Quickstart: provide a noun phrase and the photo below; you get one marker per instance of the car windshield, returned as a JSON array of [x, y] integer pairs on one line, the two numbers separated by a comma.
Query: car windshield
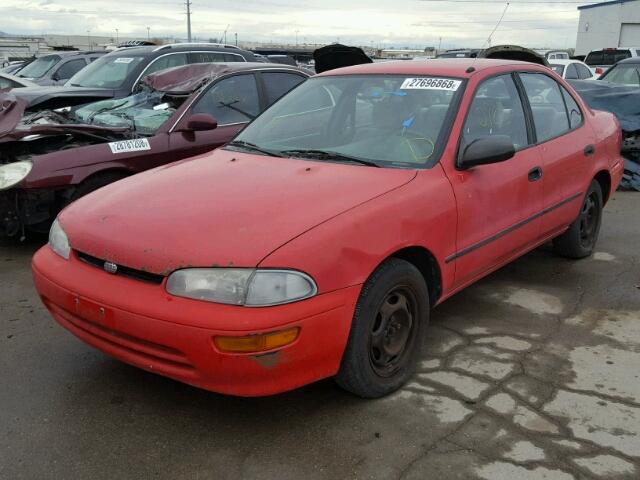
[[391, 121], [143, 113], [624, 74], [557, 68], [108, 71], [39, 67]]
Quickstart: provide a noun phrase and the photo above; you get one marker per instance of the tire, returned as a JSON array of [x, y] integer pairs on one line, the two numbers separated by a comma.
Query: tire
[[387, 332], [580, 239], [95, 182]]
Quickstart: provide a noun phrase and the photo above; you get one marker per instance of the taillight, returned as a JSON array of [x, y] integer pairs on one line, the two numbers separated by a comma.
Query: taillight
[[599, 71]]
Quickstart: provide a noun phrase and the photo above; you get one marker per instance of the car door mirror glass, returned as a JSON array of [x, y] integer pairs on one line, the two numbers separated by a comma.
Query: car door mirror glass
[[483, 151], [199, 122]]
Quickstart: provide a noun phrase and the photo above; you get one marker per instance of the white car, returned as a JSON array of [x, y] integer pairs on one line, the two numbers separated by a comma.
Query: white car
[[572, 69]]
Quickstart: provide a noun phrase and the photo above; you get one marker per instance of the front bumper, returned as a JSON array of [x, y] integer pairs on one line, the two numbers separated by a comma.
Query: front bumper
[[140, 324]]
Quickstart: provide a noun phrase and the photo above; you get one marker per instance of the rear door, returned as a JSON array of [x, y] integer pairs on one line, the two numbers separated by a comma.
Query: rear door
[[233, 101], [497, 203], [565, 143]]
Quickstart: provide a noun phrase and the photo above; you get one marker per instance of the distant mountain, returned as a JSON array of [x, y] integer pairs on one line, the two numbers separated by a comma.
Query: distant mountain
[[2, 34]]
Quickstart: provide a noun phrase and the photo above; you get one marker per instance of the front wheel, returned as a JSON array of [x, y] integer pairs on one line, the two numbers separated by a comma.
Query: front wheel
[[387, 332], [580, 239]]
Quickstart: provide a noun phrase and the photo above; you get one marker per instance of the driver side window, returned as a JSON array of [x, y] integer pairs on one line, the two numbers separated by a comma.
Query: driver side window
[[232, 100], [496, 109]]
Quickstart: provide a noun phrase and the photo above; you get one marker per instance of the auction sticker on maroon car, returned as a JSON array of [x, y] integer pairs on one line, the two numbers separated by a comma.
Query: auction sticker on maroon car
[[124, 146], [431, 83]]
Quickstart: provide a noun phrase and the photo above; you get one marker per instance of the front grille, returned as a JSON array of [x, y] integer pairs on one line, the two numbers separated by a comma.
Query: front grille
[[122, 270]]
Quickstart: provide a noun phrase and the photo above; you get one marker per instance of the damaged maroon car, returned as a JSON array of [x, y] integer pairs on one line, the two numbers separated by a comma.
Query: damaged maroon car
[[50, 158]]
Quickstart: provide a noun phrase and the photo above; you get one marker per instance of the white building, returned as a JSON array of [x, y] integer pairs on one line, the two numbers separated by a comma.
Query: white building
[[607, 25]]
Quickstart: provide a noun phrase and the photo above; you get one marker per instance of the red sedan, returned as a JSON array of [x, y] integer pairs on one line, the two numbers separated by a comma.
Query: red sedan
[[315, 244]]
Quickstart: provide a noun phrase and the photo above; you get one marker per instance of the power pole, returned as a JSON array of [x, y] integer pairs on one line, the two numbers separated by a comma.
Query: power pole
[[188, 5]]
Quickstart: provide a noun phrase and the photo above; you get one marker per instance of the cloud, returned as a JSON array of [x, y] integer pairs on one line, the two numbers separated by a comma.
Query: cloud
[[365, 22]]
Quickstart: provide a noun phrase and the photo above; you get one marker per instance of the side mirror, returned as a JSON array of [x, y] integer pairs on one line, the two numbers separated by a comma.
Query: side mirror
[[199, 122], [483, 151]]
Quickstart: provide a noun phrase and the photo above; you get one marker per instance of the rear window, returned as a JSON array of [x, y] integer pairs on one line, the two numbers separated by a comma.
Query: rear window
[[606, 57]]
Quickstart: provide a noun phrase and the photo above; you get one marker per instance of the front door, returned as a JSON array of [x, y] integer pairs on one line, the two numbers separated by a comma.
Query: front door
[[497, 203]]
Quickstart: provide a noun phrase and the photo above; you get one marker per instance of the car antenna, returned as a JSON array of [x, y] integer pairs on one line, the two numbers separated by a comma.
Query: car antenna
[[488, 40]]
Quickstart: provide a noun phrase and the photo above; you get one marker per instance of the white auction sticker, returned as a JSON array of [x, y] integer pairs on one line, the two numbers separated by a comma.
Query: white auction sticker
[[431, 83], [123, 60], [124, 146]]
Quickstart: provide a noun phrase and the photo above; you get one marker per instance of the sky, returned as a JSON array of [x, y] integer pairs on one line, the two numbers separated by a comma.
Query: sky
[[379, 23]]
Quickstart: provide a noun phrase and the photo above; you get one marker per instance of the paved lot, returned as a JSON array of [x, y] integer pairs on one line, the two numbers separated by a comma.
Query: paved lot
[[533, 373]]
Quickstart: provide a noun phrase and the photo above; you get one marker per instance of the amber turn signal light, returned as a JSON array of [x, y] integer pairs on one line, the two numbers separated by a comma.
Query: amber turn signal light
[[257, 343]]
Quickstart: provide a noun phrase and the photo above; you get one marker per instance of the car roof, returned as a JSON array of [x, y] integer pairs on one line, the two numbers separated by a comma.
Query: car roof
[[452, 67]]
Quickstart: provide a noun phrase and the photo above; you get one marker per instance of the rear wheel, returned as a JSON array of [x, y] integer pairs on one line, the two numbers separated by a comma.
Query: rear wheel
[[387, 332], [580, 239]]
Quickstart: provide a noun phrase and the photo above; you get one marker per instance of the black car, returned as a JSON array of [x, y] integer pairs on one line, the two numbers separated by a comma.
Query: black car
[[117, 74]]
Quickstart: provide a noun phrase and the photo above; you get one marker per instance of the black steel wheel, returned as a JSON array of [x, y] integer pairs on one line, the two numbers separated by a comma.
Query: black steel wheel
[[387, 331]]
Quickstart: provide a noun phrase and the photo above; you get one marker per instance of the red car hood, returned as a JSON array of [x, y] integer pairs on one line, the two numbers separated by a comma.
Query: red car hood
[[225, 208]]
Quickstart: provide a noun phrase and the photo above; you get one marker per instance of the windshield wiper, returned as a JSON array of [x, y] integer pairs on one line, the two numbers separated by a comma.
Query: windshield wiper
[[253, 147], [328, 155]]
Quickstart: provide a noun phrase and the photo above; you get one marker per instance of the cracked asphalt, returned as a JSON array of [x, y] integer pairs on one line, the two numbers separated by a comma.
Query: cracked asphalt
[[532, 373]]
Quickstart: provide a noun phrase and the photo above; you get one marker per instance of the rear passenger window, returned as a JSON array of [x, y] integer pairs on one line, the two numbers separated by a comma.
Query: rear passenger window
[[575, 115], [583, 72], [276, 84], [571, 73], [549, 113], [496, 109]]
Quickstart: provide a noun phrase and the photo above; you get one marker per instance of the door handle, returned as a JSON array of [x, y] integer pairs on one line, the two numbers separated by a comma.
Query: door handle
[[535, 174], [589, 150]]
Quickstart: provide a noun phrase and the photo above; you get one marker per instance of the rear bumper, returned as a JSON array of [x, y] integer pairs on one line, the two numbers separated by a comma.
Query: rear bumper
[[142, 325]]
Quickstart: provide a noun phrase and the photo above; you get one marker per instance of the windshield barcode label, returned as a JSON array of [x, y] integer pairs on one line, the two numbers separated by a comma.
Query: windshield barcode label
[[125, 146], [431, 84]]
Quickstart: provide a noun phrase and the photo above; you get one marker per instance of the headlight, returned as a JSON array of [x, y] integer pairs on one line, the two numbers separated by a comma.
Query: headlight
[[242, 286], [58, 240], [13, 173]]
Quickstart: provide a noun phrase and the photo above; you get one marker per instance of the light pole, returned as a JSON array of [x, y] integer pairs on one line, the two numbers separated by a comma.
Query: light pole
[[89, 39], [117, 38], [149, 33], [236, 39], [297, 37]]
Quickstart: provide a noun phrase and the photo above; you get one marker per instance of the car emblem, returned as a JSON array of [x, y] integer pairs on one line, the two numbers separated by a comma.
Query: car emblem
[[110, 267]]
